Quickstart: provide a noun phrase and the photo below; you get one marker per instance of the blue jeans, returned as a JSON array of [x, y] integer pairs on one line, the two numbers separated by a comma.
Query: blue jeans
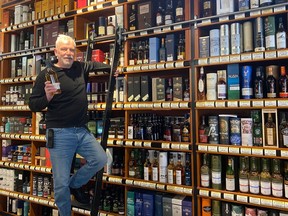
[[67, 142]]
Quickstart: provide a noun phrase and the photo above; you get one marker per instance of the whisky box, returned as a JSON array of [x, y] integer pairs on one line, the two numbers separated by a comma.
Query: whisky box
[[154, 45], [54, 31], [206, 208], [146, 88], [58, 6], [39, 37], [170, 47], [81, 3], [13, 68], [6, 18], [167, 205], [18, 13], [235, 131], [130, 203], [177, 88], [38, 9], [177, 204], [67, 5], [148, 204], [158, 203], [130, 92], [213, 122], [233, 81], [97, 55], [145, 15], [138, 203], [214, 42], [187, 206], [30, 66], [224, 129], [136, 88], [45, 8], [204, 47], [160, 89], [226, 209], [246, 132], [46, 34], [24, 66], [224, 6], [51, 7]]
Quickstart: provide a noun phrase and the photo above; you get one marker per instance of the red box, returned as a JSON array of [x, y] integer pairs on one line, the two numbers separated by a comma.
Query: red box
[[98, 55]]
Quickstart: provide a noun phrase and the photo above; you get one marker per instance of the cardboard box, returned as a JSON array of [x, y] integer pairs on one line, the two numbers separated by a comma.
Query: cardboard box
[[148, 204], [38, 9], [67, 5], [160, 89], [145, 15], [18, 14], [146, 90], [233, 81], [167, 205], [154, 45], [177, 204], [224, 6], [204, 47], [177, 88], [45, 8], [171, 47], [130, 92]]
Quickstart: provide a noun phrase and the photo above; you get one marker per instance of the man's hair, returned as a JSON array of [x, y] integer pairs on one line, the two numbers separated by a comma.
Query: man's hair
[[62, 38]]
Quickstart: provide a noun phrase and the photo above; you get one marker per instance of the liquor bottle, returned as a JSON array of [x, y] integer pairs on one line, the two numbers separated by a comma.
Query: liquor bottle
[[52, 76], [19, 68], [270, 33], [179, 11], [259, 35], [281, 39], [181, 48], [42, 124], [132, 55], [179, 171], [146, 53], [186, 92], [162, 51], [230, 175], [169, 13], [259, 83], [244, 175], [167, 133], [155, 167], [264, 3], [187, 170], [203, 131], [132, 164], [205, 172], [221, 85], [110, 27], [150, 128], [277, 178], [270, 131], [283, 83], [102, 26], [286, 178], [115, 166], [207, 8], [160, 14], [216, 208], [283, 131], [254, 176], [147, 168], [216, 172], [201, 85], [133, 18], [140, 53], [246, 82], [271, 84], [107, 58], [171, 170], [185, 135], [265, 178], [176, 130], [169, 91], [213, 134], [257, 128]]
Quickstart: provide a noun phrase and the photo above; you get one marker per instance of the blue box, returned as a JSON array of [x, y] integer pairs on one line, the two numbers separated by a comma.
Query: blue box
[[233, 81], [158, 210], [187, 206], [154, 45], [148, 204], [138, 203], [170, 47]]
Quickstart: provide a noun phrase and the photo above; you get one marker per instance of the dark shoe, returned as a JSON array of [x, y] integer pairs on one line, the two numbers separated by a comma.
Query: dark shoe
[[80, 195]]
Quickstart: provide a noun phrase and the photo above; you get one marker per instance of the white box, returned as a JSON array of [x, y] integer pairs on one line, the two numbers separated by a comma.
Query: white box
[[177, 205], [18, 13], [224, 6]]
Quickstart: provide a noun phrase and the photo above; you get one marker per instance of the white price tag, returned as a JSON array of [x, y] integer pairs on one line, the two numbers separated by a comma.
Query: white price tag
[[246, 57], [278, 204], [167, 29], [129, 143], [129, 182], [179, 64], [245, 150], [184, 146], [255, 13], [232, 103], [224, 58], [212, 148], [267, 11], [270, 152], [240, 15], [214, 60], [220, 104], [270, 103], [131, 35], [188, 191], [279, 8], [176, 27], [166, 105], [282, 103], [183, 104], [215, 194], [79, 11], [152, 66], [137, 68], [165, 145], [258, 55], [242, 198], [203, 61], [282, 53], [228, 196], [157, 105], [257, 151], [49, 19], [146, 144], [143, 33], [160, 65], [255, 200], [245, 103], [202, 147], [174, 105], [284, 153], [257, 103], [270, 54], [266, 202], [234, 150], [160, 186], [223, 149], [206, 21], [138, 143], [90, 8], [235, 58], [209, 104], [170, 64], [224, 18], [156, 31], [175, 146]]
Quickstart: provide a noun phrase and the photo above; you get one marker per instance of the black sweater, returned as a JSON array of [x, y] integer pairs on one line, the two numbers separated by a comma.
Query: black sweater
[[68, 109]]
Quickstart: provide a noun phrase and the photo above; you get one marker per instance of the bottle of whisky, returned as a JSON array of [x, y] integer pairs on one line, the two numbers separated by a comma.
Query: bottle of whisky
[[259, 83], [132, 164], [283, 83], [265, 178], [216, 172], [286, 178], [132, 55], [169, 12], [203, 131], [51, 76], [221, 85], [181, 48], [277, 179], [110, 27], [133, 18], [270, 131], [254, 176], [160, 14], [270, 33], [186, 92], [140, 53], [187, 170], [244, 175], [185, 134], [201, 85], [230, 175], [257, 128], [162, 51], [205, 172], [271, 84], [146, 53], [179, 11], [155, 167], [179, 171], [283, 131], [171, 170], [281, 39], [169, 91], [147, 168]]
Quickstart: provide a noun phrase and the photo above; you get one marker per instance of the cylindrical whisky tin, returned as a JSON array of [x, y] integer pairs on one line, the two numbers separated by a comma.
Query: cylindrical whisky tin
[[259, 35], [206, 207], [211, 83], [248, 36], [235, 131], [237, 210], [246, 82], [250, 211], [214, 42], [224, 40], [213, 135], [235, 38], [216, 172]]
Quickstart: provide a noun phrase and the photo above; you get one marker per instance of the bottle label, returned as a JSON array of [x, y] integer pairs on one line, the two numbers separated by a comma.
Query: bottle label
[[221, 91], [265, 187], [244, 185], [270, 41], [146, 173], [254, 186], [281, 40], [155, 173], [131, 173], [56, 85], [286, 188], [230, 183], [277, 189], [285, 137], [205, 180], [203, 138], [159, 20], [110, 30], [216, 177], [170, 176], [178, 177], [270, 136], [206, 5], [179, 12], [201, 85]]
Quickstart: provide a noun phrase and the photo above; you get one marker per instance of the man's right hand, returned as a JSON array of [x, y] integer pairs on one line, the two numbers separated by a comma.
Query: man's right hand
[[49, 90]]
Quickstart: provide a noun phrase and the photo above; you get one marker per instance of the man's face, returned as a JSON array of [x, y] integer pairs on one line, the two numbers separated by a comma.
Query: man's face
[[65, 52]]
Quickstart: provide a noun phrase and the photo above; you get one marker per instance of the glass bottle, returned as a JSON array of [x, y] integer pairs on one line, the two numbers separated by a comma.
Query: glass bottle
[[230, 175], [201, 85], [205, 172], [257, 128], [283, 83], [155, 167], [160, 14], [147, 168], [185, 136], [52, 76], [270, 131], [171, 170], [244, 175], [132, 164], [132, 55], [186, 93], [133, 18], [277, 178], [216, 172], [169, 16], [221, 86], [259, 83], [283, 131], [187, 171], [115, 166], [181, 48], [179, 11], [167, 135], [146, 53], [271, 84], [169, 91], [254, 177], [140, 53], [281, 39], [286, 178], [162, 51], [179, 171], [19, 68], [110, 27], [265, 178], [203, 131]]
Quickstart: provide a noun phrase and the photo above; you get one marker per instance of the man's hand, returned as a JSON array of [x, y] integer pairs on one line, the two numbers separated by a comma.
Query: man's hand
[[49, 90]]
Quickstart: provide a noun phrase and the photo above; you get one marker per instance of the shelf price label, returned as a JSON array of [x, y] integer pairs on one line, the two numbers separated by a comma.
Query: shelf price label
[[160, 186], [216, 194], [232, 103], [270, 54], [224, 18], [282, 103], [245, 104], [245, 151], [257, 151], [278, 204], [246, 57], [234, 150], [270, 152], [282, 53], [223, 149], [203, 61], [257, 103], [225, 58], [235, 58], [240, 15], [279, 8], [188, 191], [266, 202], [258, 55], [184, 146], [270, 103], [175, 146], [165, 145], [255, 200], [267, 11], [228, 196], [242, 198], [202, 147], [284, 153], [255, 13], [214, 60], [138, 143], [220, 104], [213, 148]]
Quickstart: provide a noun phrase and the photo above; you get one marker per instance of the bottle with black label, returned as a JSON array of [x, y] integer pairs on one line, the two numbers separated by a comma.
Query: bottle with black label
[[133, 18], [259, 83]]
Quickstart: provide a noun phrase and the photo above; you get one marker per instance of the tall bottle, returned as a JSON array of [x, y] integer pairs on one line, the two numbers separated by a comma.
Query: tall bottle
[[257, 128], [277, 179], [270, 33], [169, 91], [133, 18], [281, 39], [162, 51], [155, 167], [52, 76], [160, 14], [187, 170], [205, 172], [254, 176], [181, 48], [270, 131], [147, 168], [230, 175], [286, 178], [271, 84], [169, 12], [201, 85], [179, 11], [259, 83], [216, 172], [132, 165], [221, 85], [283, 83], [244, 175], [203, 131], [179, 171], [132, 55], [171, 170], [283, 131], [265, 178]]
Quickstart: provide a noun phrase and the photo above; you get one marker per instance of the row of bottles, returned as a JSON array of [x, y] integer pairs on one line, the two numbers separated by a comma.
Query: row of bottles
[[18, 206], [263, 33], [146, 126], [175, 169], [113, 200], [167, 12], [16, 124], [19, 154], [16, 95], [245, 174], [104, 26]]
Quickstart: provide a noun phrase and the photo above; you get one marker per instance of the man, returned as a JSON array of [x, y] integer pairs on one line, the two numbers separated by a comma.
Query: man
[[66, 118]]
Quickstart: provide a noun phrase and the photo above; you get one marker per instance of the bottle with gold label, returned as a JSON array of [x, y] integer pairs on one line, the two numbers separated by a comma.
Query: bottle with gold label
[[230, 175], [147, 168], [51, 76], [205, 172], [270, 131], [179, 171], [171, 170]]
